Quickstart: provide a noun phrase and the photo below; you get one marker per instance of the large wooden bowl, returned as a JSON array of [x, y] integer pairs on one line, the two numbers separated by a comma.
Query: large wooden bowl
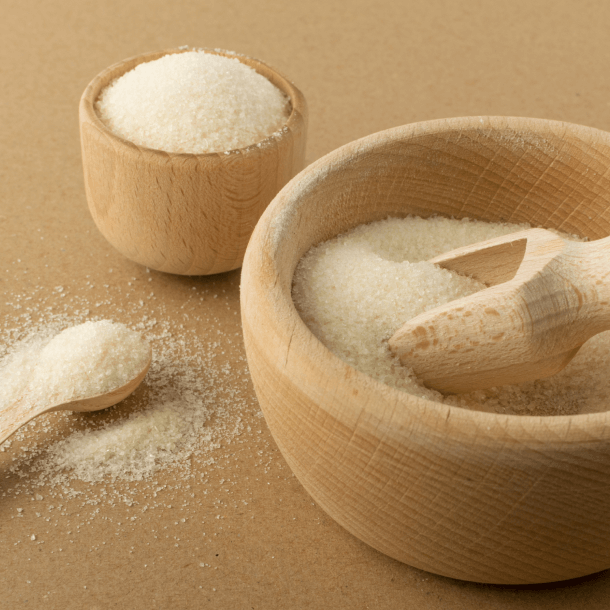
[[471, 495], [190, 214]]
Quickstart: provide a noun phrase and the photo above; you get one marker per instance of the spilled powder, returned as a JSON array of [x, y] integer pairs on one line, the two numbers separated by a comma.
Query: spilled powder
[[173, 425], [193, 102], [66, 477], [356, 290], [179, 423], [167, 432]]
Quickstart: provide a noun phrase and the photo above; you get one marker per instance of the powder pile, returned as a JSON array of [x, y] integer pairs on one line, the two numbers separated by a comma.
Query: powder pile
[[177, 469], [357, 289], [85, 360], [193, 102], [181, 411], [176, 421]]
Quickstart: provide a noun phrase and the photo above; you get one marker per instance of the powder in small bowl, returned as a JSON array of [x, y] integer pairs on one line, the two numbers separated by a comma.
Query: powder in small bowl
[[193, 102]]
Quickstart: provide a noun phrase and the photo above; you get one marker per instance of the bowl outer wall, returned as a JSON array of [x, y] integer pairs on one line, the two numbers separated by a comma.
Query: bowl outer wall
[[470, 495]]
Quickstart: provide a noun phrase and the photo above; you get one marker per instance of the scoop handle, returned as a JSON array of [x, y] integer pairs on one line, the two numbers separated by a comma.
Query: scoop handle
[[591, 275], [527, 328]]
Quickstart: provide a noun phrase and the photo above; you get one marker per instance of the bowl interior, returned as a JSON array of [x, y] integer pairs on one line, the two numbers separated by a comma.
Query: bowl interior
[[498, 169]]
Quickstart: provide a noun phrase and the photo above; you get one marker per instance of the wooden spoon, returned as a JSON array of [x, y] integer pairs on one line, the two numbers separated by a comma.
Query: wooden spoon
[[547, 296], [22, 411]]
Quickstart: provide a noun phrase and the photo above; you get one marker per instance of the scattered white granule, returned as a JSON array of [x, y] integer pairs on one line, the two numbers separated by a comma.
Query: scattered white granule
[[356, 290], [125, 448], [184, 408], [193, 102], [81, 361]]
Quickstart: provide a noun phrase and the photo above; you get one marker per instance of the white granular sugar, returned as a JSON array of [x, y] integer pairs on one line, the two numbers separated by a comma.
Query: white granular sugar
[[82, 361], [193, 102], [357, 289], [174, 454], [134, 446], [182, 409]]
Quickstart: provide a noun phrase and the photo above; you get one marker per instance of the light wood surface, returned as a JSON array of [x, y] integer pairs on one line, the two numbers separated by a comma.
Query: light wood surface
[[21, 412], [526, 328], [471, 495], [185, 213]]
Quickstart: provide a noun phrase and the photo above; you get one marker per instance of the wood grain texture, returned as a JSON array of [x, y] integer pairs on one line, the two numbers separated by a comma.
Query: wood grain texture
[[190, 214], [528, 325], [470, 495], [21, 412]]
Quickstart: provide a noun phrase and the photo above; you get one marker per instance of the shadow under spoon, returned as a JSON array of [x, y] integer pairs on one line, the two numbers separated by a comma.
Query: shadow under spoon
[[23, 410]]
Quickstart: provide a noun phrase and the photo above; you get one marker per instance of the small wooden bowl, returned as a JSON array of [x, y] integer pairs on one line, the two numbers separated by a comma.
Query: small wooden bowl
[[191, 214], [466, 494]]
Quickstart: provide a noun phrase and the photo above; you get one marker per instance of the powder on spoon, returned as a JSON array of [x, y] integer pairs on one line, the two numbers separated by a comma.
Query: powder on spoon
[[193, 102], [186, 408], [85, 360]]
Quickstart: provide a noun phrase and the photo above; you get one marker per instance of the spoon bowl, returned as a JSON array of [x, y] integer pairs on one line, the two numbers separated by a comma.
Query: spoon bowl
[[21, 412]]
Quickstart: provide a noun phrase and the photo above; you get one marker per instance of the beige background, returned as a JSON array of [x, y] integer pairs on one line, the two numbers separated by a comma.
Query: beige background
[[363, 67]]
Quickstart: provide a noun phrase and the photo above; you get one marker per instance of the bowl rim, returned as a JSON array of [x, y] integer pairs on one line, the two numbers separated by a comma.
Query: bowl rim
[[298, 111], [553, 430]]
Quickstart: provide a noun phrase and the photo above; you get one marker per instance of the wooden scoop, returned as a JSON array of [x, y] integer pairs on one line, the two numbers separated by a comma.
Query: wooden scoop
[[21, 412], [547, 296]]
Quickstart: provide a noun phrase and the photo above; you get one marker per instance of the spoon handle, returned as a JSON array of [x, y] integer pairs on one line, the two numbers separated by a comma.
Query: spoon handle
[[16, 415], [591, 276]]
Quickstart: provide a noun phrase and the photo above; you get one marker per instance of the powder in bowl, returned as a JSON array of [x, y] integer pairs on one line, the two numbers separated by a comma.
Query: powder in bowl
[[193, 102], [356, 290]]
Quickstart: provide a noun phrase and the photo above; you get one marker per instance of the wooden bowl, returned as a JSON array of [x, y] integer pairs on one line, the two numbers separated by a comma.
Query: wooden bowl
[[191, 214], [466, 494]]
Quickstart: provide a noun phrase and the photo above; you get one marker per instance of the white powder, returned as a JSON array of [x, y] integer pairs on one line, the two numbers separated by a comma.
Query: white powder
[[133, 447], [357, 289], [85, 360], [183, 409], [187, 445], [193, 102]]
